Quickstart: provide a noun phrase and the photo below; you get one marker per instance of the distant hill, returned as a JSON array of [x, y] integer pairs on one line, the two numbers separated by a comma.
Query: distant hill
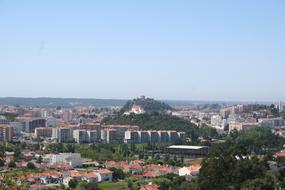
[[148, 105], [64, 102], [67, 102]]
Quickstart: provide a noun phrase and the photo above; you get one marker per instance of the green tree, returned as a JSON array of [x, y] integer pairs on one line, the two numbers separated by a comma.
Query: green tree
[[73, 183], [2, 163], [12, 164], [263, 183], [87, 186], [229, 168], [9, 183], [39, 159], [31, 165], [118, 173]]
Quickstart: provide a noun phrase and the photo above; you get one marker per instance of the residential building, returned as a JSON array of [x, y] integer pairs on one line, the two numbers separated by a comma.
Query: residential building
[[109, 136], [18, 127], [188, 151], [29, 123], [3, 120], [240, 126], [6, 133], [93, 136], [173, 136], [71, 159], [163, 136], [105, 175], [63, 134], [92, 127], [134, 136], [90, 177], [150, 187], [116, 133], [43, 132], [271, 122], [153, 136], [144, 136], [80, 136]]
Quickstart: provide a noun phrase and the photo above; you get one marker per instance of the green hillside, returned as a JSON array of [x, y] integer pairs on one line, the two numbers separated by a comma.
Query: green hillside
[[149, 105], [158, 121]]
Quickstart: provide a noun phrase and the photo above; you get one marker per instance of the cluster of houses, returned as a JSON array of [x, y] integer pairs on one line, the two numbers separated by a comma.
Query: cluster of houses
[[55, 178], [138, 169], [63, 167]]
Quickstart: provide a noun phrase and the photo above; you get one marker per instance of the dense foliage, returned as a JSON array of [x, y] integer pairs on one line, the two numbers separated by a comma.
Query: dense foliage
[[118, 174], [87, 186], [9, 183], [242, 162], [259, 140], [10, 116]]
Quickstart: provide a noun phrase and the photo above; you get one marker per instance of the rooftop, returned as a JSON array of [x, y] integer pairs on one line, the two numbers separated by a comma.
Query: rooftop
[[187, 147]]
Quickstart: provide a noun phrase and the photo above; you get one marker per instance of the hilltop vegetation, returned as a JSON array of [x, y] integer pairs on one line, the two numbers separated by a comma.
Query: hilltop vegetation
[[156, 121], [149, 105]]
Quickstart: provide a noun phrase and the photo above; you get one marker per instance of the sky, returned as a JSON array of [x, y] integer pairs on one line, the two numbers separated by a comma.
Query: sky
[[165, 49]]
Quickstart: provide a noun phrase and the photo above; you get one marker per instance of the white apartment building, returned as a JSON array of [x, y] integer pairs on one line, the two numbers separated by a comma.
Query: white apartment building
[[85, 136], [271, 122], [62, 134], [136, 136], [240, 126], [71, 159]]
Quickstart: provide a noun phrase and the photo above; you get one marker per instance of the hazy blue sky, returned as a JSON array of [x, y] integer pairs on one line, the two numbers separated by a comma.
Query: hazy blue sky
[[191, 50]]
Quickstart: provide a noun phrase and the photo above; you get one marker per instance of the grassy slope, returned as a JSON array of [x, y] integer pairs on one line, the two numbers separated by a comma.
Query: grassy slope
[[114, 186]]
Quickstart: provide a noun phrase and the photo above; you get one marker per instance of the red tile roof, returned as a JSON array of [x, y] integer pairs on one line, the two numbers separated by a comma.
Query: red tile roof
[[37, 186], [74, 173], [150, 187], [281, 154], [90, 175], [104, 171], [150, 175]]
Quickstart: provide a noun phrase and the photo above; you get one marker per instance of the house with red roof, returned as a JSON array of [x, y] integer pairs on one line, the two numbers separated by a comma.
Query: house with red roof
[[105, 175], [150, 187], [280, 154], [90, 177], [135, 169]]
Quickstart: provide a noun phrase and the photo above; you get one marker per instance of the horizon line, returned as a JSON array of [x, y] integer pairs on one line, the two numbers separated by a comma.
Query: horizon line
[[126, 99]]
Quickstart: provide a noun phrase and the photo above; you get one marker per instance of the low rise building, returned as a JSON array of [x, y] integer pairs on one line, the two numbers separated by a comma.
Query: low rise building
[[271, 122], [240, 126], [43, 132], [188, 151], [71, 159], [105, 175]]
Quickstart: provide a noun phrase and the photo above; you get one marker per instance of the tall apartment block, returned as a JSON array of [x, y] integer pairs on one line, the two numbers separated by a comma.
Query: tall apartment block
[[6, 133]]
